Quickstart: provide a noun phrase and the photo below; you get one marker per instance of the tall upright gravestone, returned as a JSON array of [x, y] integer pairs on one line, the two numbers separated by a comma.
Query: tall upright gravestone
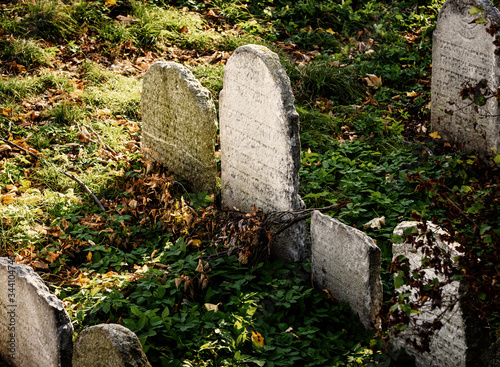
[[260, 145], [35, 329], [180, 124], [463, 52]]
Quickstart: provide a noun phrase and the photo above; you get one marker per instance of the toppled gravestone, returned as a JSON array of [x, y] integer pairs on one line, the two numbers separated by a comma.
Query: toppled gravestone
[[179, 124], [463, 52], [35, 329], [462, 340], [260, 145], [108, 345], [346, 261]]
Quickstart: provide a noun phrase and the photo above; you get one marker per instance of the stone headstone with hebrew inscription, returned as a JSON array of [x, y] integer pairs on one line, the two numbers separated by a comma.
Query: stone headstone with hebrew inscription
[[462, 340], [346, 261], [260, 145], [180, 124], [463, 52], [35, 329]]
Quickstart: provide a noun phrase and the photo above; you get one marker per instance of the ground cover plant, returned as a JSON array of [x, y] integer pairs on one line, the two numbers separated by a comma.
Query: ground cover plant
[[159, 259]]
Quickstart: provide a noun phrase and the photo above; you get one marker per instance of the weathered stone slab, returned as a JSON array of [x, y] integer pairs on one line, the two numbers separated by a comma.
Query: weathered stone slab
[[35, 329], [494, 354], [108, 345], [180, 123], [347, 262], [463, 51], [260, 145], [461, 341]]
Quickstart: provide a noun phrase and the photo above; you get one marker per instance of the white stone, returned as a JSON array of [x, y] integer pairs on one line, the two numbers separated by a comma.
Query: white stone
[[260, 145], [108, 345], [346, 261], [180, 124], [460, 341], [463, 51], [34, 318]]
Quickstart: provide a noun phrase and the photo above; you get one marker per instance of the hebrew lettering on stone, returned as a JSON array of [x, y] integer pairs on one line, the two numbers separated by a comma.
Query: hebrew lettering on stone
[[180, 124], [463, 54], [461, 341], [347, 262], [260, 145]]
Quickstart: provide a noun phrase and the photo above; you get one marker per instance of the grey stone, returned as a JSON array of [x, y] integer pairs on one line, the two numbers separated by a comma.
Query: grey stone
[[108, 345], [260, 145], [346, 261], [180, 124], [494, 354], [463, 51], [462, 340], [32, 320]]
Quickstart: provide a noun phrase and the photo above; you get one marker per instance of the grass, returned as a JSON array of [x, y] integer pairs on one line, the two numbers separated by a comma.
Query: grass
[[138, 263]]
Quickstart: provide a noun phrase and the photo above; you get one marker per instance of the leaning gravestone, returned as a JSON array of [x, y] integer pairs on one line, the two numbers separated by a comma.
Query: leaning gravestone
[[260, 145], [180, 124], [461, 341], [35, 329], [346, 261], [463, 52], [108, 345]]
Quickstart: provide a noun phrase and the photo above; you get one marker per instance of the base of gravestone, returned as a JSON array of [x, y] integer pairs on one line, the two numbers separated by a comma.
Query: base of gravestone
[[293, 244]]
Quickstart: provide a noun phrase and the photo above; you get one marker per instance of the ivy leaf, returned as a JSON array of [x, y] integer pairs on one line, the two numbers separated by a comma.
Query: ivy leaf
[[475, 10], [480, 100], [399, 280]]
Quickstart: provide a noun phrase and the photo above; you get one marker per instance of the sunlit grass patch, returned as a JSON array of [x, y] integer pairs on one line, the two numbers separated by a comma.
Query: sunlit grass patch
[[19, 216], [28, 53], [16, 89], [210, 76], [95, 74], [49, 19], [120, 95]]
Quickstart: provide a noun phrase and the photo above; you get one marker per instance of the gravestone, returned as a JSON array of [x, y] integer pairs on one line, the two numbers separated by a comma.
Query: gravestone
[[260, 145], [463, 52], [108, 345], [35, 329], [462, 340], [346, 261], [179, 124]]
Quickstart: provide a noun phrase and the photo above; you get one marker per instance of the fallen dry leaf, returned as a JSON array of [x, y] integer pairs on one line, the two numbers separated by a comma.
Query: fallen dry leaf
[[373, 81], [40, 265], [212, 307], [375, 223], [8, 199], [435, 135], [257, 339]]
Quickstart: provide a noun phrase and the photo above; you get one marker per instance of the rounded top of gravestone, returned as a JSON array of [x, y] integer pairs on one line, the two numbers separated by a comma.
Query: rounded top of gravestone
[[35, 282], [108, 345], [202, 94], [487, 12], [180, 124], [272, 62]]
